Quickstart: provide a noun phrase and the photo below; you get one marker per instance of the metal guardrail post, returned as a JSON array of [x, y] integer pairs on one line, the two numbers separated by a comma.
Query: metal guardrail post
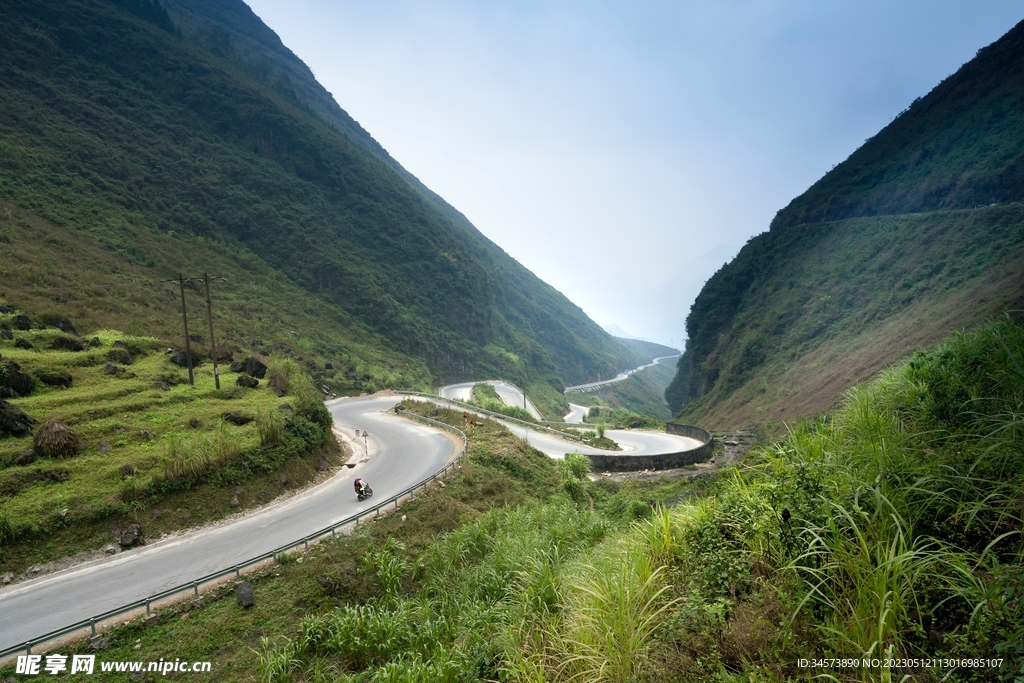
[[92, 626], [195, 588]]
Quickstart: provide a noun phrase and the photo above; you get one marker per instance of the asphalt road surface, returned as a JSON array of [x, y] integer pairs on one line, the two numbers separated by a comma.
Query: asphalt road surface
[[401, 453], [577, 414], [510, 395], [590, 386], [632, 442]]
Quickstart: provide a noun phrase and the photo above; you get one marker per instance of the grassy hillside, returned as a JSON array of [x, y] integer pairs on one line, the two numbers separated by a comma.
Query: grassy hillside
[[127, 132], [803, 313], [919, 233], [151, 450], [889, 532]]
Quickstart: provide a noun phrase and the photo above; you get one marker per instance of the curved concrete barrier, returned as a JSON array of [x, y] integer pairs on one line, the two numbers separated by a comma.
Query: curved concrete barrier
[[661, 461]]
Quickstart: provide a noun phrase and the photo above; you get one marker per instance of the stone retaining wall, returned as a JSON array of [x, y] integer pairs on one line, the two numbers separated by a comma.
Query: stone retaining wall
[[663, 461]]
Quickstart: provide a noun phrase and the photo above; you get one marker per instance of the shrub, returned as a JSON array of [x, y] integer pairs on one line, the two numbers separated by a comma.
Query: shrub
[[308, 434]]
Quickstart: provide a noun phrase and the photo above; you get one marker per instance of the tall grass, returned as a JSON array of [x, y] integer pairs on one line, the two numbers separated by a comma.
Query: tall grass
[[188, 457], [270, 426]]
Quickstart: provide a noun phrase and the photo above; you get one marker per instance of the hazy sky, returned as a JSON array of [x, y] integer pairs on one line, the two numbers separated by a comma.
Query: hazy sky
[[622, 151]]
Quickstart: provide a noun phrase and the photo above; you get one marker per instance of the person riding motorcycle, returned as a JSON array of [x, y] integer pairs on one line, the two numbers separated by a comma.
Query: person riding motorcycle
[[360, 485]]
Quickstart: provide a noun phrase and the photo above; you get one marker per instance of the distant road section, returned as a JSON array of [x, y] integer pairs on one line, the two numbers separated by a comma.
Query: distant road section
[[510, 394], [548, 442], [578, 414], [618, 378]]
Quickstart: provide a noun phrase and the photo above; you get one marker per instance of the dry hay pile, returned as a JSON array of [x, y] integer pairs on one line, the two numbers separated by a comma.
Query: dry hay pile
[[56, 440]]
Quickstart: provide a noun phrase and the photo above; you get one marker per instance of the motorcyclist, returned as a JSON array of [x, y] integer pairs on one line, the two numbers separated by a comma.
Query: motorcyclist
[[360, 485]]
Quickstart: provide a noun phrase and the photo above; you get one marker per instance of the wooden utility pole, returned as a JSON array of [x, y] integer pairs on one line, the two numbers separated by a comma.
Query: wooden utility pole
[[184, 318], [209, 318]]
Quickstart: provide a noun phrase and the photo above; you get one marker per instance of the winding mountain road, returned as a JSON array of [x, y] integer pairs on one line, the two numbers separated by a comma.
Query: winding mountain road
[[576, 414], [591, 386], [510, 395], [401, 453]]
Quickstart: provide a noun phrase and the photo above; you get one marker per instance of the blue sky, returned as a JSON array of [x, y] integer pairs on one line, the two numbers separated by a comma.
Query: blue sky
[[623, 151]]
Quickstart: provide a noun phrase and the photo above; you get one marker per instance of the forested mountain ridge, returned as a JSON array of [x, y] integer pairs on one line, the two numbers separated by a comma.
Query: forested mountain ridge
[[132, 134], [889, 251], [961, 146]]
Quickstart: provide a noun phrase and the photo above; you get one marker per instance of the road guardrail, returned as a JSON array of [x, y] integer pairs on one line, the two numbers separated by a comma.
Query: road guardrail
[[194, 585]]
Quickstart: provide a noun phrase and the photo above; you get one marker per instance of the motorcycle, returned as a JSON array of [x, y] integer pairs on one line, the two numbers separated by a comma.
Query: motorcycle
[[364, 493]]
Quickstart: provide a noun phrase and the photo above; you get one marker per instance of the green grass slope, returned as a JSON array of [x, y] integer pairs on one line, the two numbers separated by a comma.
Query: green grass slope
[[889, 251], [152, 450], [119, 128]]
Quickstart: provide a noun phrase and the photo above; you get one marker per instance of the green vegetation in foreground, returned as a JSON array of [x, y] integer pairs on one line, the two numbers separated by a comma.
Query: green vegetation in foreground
[[506, 506], [171, 460], [892, 530]]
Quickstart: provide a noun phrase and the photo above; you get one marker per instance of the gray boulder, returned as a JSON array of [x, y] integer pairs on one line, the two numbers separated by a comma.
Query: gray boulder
[[180, 358], [14, 421], [122, 356], [255, 367], [26, 457], [63, 343], [12, 377], [111, 369], [56, 379], [130, 537], [247, 381], [244, 594], [61, 323]]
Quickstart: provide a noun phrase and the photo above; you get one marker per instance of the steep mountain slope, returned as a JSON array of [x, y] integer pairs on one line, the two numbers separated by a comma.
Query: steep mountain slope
[[232, 31], [887, 252], [124, 129], [960, 147]]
